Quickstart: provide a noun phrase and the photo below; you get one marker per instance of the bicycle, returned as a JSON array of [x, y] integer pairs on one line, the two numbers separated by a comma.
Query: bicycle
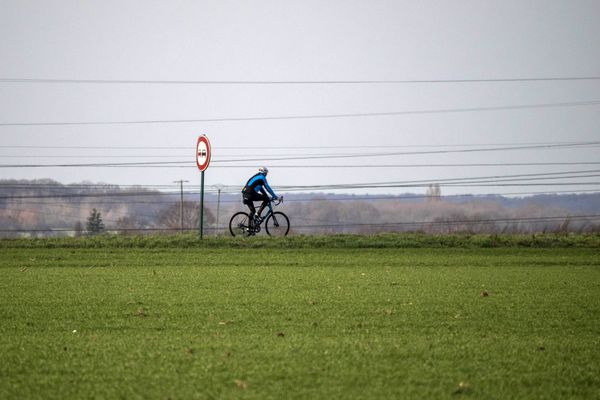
[[276, 222]]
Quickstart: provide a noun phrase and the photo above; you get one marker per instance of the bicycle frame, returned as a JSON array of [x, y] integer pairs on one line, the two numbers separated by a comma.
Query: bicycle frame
[[270, 211]]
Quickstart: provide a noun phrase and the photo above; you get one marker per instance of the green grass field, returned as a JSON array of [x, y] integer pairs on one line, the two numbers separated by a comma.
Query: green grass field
[[280, 319]]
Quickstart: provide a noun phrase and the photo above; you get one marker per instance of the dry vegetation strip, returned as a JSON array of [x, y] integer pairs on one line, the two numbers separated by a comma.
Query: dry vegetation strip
[[382, 240]]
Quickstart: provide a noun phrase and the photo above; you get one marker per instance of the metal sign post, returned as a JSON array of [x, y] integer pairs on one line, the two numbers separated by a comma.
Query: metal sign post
[[202, 161], [201, 203]]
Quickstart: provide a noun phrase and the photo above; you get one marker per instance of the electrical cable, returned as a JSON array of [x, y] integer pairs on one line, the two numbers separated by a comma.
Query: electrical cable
[[313, 116], [37, 147], [309, 157], [294, 82]]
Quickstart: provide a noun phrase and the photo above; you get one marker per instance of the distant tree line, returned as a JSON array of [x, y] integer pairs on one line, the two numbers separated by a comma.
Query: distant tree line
[[84, 209]]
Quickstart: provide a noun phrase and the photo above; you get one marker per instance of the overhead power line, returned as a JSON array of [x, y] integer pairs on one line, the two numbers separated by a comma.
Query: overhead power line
[[308, 157], [286, 155], [89, 156], [294, 82], [470, 181], [320, 147], [498, 180], [405, 153], [314, 116], [420, 165], [361, 166]]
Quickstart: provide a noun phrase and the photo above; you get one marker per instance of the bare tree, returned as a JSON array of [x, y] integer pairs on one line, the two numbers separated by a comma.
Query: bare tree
[[433, 193], [170, 217]]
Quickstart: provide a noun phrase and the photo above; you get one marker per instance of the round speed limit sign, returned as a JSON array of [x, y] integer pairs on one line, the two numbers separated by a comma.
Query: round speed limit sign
[[203, 153]]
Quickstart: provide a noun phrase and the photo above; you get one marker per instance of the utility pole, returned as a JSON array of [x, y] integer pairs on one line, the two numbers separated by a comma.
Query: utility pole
[[219, 187], [181, 202]]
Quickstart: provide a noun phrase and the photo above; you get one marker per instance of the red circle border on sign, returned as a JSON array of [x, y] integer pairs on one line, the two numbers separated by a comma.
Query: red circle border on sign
[[204, 166]]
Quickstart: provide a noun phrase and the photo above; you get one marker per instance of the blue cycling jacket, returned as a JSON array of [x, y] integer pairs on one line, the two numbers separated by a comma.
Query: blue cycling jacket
[[257, 184]]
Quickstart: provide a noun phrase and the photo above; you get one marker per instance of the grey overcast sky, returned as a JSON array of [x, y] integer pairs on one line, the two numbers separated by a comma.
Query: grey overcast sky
[[235, 68]]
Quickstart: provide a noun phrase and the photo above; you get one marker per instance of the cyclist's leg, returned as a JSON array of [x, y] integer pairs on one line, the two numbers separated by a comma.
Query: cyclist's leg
[[247, 200], [265, 201]]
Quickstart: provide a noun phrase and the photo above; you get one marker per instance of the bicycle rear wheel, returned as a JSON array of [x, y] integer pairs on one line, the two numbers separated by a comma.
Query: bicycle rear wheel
[[278, 224], [239, 224]]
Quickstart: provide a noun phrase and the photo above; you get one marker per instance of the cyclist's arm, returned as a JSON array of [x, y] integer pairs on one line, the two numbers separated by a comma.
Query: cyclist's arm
[[270, 190]]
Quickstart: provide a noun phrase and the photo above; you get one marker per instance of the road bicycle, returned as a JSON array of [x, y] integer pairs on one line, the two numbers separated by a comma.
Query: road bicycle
[[276, 222]]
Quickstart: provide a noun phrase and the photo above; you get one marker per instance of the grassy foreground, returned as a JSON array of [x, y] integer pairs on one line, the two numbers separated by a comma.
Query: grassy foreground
[[272, 323]]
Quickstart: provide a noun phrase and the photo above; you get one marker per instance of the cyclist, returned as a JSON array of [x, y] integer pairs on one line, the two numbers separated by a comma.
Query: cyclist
[[255, 191]]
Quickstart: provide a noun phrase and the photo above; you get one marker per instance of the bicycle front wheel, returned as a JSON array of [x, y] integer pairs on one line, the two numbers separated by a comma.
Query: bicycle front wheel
[[278, 224], [239, 224]]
